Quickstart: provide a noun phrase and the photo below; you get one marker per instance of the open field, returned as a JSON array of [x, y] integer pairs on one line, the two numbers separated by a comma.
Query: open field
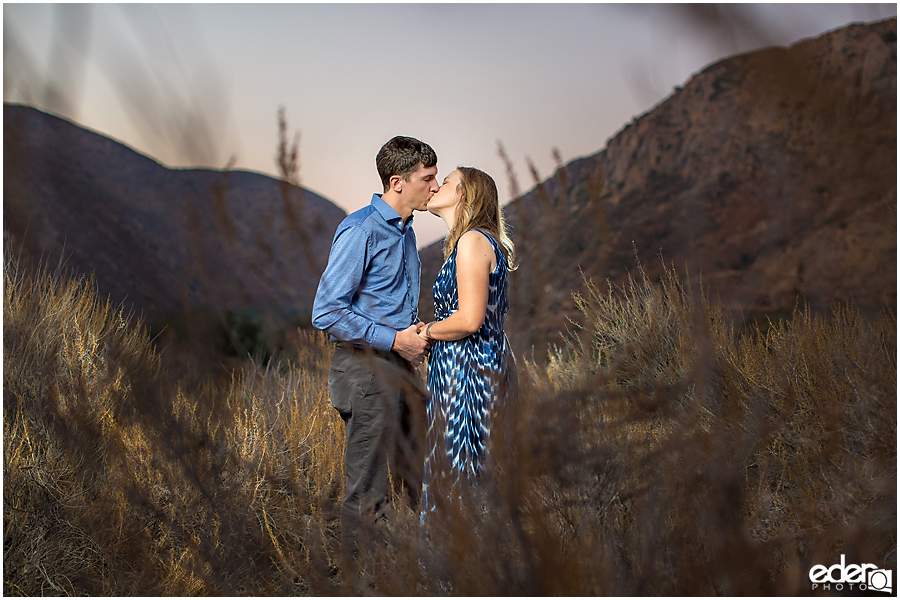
[[662, 452]]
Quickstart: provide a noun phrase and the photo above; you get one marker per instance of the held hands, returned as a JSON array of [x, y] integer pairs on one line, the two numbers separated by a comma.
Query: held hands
[[422, 330], [410, 345]]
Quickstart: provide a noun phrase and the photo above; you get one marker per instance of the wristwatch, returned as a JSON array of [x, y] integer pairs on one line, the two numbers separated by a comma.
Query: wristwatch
[[428, 330]]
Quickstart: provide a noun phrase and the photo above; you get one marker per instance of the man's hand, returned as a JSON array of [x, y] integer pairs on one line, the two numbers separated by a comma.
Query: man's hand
[[410, 345]]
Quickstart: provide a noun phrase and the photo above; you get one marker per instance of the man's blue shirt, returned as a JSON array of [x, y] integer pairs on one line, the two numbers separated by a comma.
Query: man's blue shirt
[[370, 288]]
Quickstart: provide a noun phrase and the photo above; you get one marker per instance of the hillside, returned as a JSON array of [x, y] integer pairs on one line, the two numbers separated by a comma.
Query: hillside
[[773, 174], [160, 240]]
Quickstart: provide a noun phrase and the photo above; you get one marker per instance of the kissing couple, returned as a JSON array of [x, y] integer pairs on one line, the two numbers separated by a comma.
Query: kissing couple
[[367, 301]]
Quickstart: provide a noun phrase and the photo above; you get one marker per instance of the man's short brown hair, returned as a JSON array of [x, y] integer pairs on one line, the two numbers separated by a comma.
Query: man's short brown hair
[[403, 156]]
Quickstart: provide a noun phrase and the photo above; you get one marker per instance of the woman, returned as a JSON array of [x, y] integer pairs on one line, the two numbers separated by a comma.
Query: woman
[[470, 368]]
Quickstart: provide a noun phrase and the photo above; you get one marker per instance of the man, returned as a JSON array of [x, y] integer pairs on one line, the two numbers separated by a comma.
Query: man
[[367, 301]]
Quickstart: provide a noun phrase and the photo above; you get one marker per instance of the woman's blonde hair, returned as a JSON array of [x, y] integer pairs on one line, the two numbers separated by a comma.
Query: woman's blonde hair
[[480, 208]]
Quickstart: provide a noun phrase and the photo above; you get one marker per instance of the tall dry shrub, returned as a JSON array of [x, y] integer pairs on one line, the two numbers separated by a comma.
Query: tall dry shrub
[[69, 361], [701, 460], [663, 452], [119, 482], [666, 453]]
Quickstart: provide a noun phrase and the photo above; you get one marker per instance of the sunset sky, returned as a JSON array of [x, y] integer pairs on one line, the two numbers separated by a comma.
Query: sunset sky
[[197, 84]]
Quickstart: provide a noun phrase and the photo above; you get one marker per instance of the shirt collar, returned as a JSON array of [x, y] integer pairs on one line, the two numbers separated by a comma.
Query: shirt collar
[[388, 213]]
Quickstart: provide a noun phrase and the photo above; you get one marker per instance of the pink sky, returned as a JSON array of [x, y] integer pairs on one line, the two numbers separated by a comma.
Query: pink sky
[[458, 76]]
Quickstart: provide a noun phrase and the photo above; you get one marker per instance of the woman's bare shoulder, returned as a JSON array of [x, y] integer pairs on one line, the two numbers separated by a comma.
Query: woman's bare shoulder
[[475, 246], [475, 240]]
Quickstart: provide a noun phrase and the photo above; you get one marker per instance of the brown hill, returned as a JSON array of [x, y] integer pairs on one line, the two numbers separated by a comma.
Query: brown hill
[[160, 240], [773, 174]]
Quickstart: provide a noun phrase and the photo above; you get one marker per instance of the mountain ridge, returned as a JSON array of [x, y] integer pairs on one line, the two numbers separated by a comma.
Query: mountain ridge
[[160, 239], [771, 173]]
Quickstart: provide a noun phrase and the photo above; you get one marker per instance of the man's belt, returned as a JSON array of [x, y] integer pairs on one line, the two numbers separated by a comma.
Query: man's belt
[[388, 354]]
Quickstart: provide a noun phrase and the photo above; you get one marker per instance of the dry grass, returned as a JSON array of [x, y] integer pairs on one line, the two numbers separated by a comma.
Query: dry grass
[[119, 482], [732, 462], [661, 453]]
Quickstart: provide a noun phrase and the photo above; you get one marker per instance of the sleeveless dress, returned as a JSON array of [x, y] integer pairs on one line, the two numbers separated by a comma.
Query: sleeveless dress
[[467, 379]]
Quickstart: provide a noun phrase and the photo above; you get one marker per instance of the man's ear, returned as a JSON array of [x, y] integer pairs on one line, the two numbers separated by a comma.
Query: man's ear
[[396, 183]]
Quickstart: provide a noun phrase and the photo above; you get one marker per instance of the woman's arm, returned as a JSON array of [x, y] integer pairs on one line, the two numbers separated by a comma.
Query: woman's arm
[[475, 260]]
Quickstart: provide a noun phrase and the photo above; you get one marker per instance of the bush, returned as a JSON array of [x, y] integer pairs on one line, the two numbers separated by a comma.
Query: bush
[[726, 463], [119, 482], [660, 453]]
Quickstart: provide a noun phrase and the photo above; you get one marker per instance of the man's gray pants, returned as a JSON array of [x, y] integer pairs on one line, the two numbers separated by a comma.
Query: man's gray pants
[[381, 398]]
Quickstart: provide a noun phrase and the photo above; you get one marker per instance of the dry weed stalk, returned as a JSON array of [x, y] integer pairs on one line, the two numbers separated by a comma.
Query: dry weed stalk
[[118, 482], [291, 192], [661, 453]]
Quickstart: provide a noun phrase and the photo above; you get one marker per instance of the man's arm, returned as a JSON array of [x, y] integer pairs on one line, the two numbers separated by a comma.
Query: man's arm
[[332, 307]]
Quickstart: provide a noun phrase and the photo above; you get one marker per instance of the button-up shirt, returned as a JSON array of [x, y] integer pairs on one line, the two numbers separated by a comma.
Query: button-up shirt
[[370, 288]]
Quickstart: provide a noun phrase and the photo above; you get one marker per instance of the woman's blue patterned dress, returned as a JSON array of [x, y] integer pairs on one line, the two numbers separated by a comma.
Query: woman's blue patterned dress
[[467, 378]]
